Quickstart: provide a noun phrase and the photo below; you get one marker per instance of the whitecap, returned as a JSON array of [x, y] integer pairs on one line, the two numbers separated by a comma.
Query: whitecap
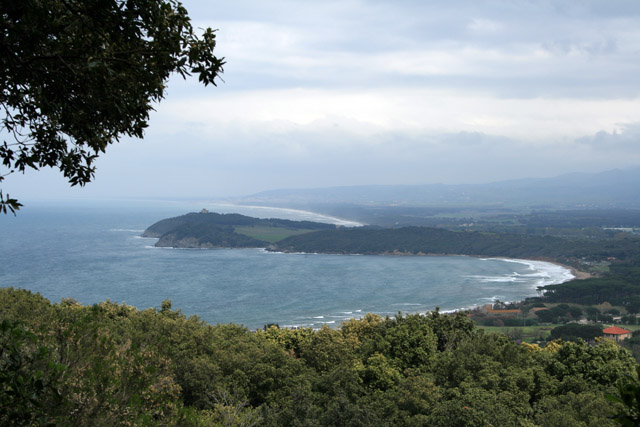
[[493, 298], [497, 279], [556, 273]]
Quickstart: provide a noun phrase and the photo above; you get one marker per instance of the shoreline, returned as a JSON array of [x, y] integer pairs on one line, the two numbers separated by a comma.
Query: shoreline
[[567, 274], [578, 274], [573, 272]]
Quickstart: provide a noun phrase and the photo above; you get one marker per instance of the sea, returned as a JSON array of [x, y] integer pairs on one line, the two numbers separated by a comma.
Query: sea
[[92, 251]]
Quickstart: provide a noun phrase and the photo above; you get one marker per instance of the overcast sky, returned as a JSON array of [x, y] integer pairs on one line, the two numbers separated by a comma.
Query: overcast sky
[[332, 93]]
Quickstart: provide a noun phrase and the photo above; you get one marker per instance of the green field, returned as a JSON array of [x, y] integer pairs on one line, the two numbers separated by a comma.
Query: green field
[[524, 333], [269, 234], [533, 334]]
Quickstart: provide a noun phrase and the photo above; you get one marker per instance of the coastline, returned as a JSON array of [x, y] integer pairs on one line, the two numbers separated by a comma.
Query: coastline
[[567, 273], [576, 273]]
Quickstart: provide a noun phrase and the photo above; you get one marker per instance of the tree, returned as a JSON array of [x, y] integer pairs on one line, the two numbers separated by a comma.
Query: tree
[[77, 75], [629, 396], [573, 331], [28, 377]]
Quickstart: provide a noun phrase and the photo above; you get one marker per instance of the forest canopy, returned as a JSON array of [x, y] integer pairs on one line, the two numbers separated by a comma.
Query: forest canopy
[[109, 364]]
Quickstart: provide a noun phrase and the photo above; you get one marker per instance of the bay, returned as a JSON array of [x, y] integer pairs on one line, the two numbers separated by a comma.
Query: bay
[[92, 252]]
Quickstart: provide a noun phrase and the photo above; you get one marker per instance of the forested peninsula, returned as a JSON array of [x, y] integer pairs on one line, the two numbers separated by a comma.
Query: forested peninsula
[[206, 230], [209, 230]]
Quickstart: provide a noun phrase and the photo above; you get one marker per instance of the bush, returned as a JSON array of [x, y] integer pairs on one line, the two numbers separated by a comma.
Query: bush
[[573, 331]]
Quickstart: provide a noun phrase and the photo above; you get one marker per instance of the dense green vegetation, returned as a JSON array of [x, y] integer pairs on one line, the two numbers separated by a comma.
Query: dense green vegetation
[[209, 230], [269, 234], [200, 235], [512, 219], [110, 364], [416, 240], [573, 331]]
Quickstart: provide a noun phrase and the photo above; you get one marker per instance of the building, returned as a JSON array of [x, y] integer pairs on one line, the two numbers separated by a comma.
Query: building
[[488, 309], [616, 333]]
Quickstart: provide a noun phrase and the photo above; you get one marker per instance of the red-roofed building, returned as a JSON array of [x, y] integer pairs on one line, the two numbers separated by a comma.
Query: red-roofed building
[[488, 309], [616, 333]]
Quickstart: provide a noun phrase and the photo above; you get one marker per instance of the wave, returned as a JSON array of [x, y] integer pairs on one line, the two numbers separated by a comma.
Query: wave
[[497, 279], [493, 298], [548, 273], [169, 248], [289, 253], [297, 325], [128, 230]]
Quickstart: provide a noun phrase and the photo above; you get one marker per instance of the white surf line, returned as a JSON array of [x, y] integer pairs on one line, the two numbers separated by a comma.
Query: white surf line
[[326, 218], [556, 273]]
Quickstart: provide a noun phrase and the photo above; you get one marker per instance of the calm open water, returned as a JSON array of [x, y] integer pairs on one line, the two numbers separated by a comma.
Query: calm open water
[[93, 252]]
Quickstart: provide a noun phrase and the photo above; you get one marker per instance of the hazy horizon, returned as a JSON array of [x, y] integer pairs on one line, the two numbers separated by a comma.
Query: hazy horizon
[[343, 93]]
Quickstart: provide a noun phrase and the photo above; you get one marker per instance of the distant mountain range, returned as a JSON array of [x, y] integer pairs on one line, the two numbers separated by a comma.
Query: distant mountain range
[[618, 188]]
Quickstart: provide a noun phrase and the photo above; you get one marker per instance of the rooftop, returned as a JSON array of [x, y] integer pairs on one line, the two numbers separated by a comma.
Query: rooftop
[[614, 330]]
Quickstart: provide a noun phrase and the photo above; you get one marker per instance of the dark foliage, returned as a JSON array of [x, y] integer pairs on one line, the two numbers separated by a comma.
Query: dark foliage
[[77, 75], [115, 365], [211, 218], [414, 240], [573, 331], [208, 230]]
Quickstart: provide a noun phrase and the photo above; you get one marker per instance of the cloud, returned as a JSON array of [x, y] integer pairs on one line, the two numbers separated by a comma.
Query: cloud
[[407, 110], [519, 49], [624, 139], [344, 92], [485, 26]]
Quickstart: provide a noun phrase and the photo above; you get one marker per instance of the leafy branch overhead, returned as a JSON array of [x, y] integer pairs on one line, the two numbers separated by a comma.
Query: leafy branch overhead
[[77, 75]]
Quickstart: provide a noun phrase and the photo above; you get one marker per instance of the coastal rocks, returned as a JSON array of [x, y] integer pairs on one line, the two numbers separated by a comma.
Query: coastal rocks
[[208, 241], [186, 243]]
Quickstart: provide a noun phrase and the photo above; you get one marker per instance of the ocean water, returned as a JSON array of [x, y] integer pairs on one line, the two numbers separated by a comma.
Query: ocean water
[[93, 252]]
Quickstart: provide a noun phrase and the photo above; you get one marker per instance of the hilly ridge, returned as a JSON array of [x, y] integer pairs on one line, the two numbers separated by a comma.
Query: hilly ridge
[[613, 188]]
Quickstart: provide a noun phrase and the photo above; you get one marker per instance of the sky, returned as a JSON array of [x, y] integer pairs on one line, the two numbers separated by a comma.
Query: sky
[[336, 93]]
